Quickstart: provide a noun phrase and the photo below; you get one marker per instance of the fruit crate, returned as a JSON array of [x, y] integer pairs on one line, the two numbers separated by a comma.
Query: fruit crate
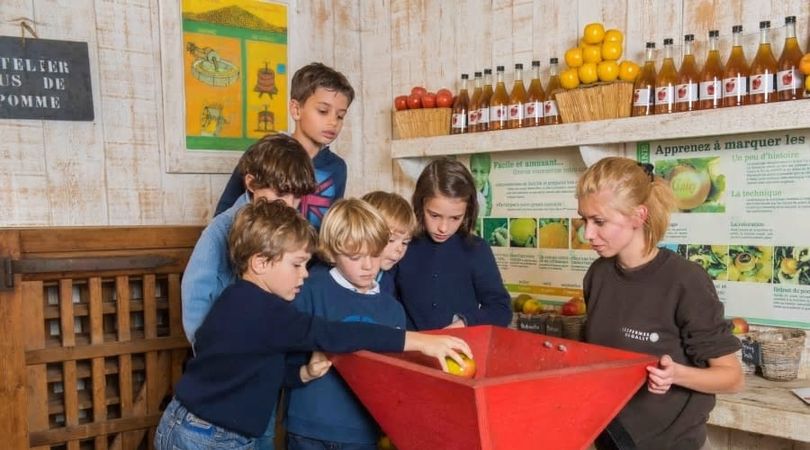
[[413, 123], [595, 102], [568, 391]]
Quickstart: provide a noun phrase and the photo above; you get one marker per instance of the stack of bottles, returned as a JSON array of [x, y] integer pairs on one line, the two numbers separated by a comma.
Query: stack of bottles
[[719, 85]]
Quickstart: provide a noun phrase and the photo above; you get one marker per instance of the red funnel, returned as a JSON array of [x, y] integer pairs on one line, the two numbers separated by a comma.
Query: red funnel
[[530, 392]]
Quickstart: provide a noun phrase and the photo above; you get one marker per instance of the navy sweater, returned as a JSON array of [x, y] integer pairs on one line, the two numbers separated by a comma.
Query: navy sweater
[[234, 378], [326, 409], [436, 281], [330, 175]]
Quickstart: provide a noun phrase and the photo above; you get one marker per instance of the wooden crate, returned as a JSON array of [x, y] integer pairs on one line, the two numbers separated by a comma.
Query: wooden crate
[[91, 339]]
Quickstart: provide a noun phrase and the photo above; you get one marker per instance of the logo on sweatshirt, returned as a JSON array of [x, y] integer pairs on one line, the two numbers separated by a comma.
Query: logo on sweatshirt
[[643, 336]]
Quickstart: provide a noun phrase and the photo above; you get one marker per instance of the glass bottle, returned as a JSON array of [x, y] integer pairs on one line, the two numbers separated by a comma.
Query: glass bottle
[[763, 69], [644, 85], [735, 74], [516, 99], [533, 108], [551, 115], [686, 91], [789, 81], [458, 124], [711, 77], [483, 103], [472, 112], [499, 103], [665, 82]]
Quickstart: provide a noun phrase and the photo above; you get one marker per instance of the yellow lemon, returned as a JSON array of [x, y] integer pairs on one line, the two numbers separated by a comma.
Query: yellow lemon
[[592, 54], [611, 51], [569, 78], [521, 230], [607, 70], [628, 71], [593, 33], [587, 73], [614, 35], [573, 57]]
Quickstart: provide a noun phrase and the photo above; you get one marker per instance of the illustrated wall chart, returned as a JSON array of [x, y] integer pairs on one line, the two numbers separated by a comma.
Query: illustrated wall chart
[[743, 213], [235, 60]]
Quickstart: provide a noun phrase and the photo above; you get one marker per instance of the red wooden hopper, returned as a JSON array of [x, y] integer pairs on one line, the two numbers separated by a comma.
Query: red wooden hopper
[[530, 391]]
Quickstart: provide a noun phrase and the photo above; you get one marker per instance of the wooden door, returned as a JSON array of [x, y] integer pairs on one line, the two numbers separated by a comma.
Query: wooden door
[[91, 339]]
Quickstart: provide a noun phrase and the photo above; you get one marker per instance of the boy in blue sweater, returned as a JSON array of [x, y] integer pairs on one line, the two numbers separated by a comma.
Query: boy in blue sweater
[[228, 393], [401, 223], [319, 101], [326, 414]]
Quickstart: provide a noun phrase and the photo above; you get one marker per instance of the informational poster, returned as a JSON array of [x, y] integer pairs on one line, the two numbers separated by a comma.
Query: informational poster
[[744, 215], [528, 215], [235, 72]]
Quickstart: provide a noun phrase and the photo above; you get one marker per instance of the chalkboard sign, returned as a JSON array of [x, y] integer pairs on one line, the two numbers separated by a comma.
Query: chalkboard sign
[[45, 80], [532, 323], [751, 352]]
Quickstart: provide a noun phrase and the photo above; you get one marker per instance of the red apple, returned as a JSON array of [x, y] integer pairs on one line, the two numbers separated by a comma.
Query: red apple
[[574, 307], [787, 78], [730, 84], [710, 89], [740, 325], [662, 95], [756, 82], [513, 111], [530, 110], [454, 369], [682, 92], [547, 107]]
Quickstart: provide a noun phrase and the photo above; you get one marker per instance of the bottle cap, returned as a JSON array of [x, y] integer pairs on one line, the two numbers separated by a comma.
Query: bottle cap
[[499, 69], [487, 71], [765, 24], [535, 63], [478, 74], [553, 61], [650, 44], [668, 41], [464, 76], [790, 19], [714, 33], [736, 29], [519, 66], [689, 37]]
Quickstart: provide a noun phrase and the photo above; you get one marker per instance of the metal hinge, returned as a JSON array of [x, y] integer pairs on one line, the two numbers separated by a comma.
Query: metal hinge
[[12, 267]]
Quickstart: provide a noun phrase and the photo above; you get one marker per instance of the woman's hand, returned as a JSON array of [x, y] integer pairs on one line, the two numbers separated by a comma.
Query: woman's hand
[[438, 346], [317, 367], [661, 378]]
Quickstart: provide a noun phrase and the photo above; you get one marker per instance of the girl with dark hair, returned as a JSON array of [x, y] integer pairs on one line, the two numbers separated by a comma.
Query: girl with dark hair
[[449, 277]]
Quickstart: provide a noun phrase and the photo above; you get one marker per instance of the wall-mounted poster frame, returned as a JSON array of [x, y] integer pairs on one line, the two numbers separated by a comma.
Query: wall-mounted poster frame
[[224, 79]]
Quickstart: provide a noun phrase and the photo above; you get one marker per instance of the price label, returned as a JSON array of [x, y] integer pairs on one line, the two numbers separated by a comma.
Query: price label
[[751, 352]]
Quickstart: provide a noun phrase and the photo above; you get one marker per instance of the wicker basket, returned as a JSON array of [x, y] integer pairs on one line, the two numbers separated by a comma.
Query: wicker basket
[[413, 123], [573, 327], [595, 102], [781, 353]]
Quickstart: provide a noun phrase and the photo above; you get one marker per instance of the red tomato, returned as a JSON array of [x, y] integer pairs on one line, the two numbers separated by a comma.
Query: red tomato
[[401, 102], [444, 99], [418, 91], [414, 101], [429, 100], [444, 90]]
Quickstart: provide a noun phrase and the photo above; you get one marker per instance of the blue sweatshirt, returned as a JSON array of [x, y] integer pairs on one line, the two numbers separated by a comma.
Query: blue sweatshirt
[[326, 409], [436, 281], [234, 378], [330, 175]]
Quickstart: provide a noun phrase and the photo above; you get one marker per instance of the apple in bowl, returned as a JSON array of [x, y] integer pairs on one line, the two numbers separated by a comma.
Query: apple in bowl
[[739, 326]]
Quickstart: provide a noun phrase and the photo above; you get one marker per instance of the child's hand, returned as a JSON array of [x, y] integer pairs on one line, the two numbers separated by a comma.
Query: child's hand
[[317, 367], [661, 378], [438, 346]]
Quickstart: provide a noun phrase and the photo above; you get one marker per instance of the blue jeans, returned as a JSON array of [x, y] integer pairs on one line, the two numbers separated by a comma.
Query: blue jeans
[[298, 442], [179, 429]]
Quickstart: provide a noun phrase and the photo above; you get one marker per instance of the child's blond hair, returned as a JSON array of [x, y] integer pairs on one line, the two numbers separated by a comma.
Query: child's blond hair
[[352, 226], [396, 211], [269, 229]]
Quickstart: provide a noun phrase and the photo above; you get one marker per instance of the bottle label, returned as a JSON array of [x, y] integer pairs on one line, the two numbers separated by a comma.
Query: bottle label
[[642, 97], [788, 80], [711, 90], [550, 108], [665, 95], [459, 120], [687, 92], [498, 113], [533, 110], [516, 111], [472, 117], [483, 116], [735, 86], [762, 83]]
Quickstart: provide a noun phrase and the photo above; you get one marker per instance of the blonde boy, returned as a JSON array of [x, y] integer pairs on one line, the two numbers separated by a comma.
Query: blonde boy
[[401, 221], [353, 236]]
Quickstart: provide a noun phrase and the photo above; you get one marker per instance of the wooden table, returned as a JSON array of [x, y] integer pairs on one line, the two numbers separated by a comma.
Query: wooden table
[[765, 407]]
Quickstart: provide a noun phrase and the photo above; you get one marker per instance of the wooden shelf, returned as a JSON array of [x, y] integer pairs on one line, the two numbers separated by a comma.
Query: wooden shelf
[[747, 119], [765, 407]]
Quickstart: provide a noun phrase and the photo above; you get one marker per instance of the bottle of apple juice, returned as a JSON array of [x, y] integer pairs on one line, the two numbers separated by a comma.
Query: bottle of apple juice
[[763, 69], [645, 85], [499, 104], [735, 74], [461, 105], [665, 82], [516, 99], [533, 108], [711, 77], [789, 81], [483, 103], [551, 115], [686, 91], [472, 111]]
